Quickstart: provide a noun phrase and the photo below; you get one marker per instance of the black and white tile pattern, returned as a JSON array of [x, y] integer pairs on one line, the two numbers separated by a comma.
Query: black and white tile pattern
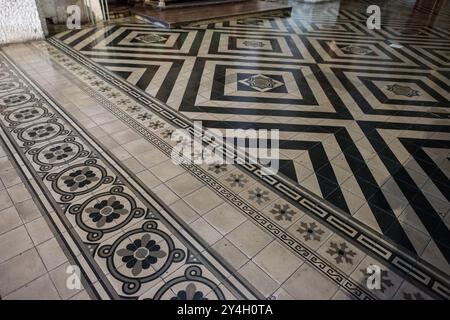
[[357, 115], [363, 125]]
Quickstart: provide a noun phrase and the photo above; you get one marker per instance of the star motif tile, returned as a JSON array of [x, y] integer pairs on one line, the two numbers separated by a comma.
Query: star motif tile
[[357, 50], [261, 83], [151, 38], [403, 90]]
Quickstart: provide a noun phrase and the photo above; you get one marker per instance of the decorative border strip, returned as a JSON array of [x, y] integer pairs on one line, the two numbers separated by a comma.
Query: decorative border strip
[[436, 282], [154, 220]]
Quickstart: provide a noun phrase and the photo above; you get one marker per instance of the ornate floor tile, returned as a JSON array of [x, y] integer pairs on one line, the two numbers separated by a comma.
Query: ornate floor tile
[[341, 253], [312, 232], [364, 131], [389, 281]]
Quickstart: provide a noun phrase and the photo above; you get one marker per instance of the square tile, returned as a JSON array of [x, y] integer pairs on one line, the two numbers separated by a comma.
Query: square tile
[[259, 279], [203, 200], [40, 289], [308, 284], [19, 271], [230, 253], [9, 219], [224, 218], [249, 238], [277, 261], [14, 242]]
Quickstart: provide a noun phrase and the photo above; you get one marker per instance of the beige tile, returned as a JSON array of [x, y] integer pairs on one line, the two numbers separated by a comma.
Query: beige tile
[[230, 253], [39, 230], [217, 169], [108, 143], [5, 164], [389, 280], [165, 194], [97, 132], [9, 219], [283, 213], [28, 211], [258, 196], [277, 261], [138, 146], [203, 200], [224, 218], [102, 118], [20, 270], [281, 294], [40, 289], [354, 202], [148, 179], [120, 153], [186, 213], [10, 177], [150, 158], [409, 217], [14, 242], [116, 126], [133, 165], [18, 193], [5, 200], [125, 136], [83, 295], [249, 238], [259, 279], [167, 170], [184, 184], [59, 277], [51, 253], [205, 231], [236, 180], [308, 284], [341, 253], [408, 291], [343, 295]]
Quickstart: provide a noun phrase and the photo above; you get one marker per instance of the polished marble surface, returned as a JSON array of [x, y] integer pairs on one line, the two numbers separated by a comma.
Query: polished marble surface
[[364, 143]]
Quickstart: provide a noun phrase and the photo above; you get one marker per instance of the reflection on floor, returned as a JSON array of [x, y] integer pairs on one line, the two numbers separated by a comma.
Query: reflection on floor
[[186, 12], [87, 178]]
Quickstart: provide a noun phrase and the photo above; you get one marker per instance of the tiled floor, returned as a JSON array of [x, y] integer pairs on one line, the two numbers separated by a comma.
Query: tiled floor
[[87, 179]]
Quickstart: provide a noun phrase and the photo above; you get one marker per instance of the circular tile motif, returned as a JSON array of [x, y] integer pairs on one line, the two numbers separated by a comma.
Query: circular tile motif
[[143, 256], [15, 99], [25, 114], [100, 213], [8, 86], [187, 291], [4, 75], [58, 152], [41, 132], [190, 286], [105, 212], [80, 177]]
